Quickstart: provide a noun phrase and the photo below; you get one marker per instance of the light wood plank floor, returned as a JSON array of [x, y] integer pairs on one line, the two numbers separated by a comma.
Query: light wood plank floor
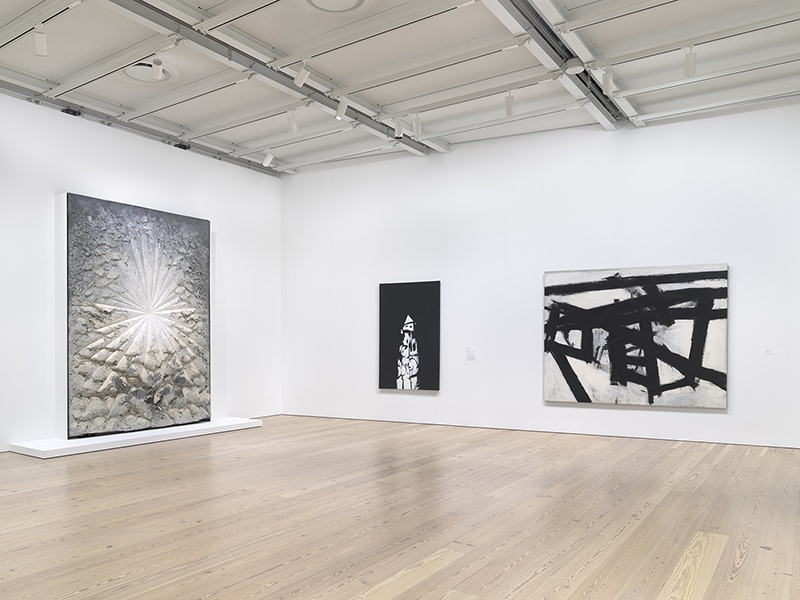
[[335, 509]]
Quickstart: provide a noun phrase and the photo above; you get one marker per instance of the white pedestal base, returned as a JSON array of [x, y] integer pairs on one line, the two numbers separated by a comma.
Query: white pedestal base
[[53, 447]]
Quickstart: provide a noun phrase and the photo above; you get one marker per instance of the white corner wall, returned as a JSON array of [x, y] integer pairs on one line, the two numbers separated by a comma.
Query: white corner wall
[[488, 219], [44, 153]]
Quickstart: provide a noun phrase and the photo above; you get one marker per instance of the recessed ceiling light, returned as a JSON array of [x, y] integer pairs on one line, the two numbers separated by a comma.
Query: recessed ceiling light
[[337, 5], [143, 72]]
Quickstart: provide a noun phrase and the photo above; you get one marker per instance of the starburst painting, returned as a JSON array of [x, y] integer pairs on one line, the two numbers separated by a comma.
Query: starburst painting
[[138, 315]]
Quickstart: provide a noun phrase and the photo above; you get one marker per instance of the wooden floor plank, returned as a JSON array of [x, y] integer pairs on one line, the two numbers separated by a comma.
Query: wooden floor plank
[[335, 509]]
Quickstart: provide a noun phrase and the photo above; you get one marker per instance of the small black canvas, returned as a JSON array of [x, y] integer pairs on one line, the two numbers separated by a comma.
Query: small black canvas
[[409, 336]]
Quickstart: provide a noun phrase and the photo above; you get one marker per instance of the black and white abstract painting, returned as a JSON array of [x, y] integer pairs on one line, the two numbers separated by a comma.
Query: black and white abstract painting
[[409, 336], [644, 336], [138, 318]]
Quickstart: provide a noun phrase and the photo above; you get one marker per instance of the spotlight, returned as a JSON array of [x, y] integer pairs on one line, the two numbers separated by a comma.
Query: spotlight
[[510, 108], [267, 158], [40, 41], [398, 128], [157, 72], [292, 121], [608, 80], [690, 62], [417, 126], [302, 75], [574, 66], [342, 108]]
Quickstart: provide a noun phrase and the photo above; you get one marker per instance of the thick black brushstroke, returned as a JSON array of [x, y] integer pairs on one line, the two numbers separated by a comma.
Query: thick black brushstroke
[[631, 344], [570, 377], [616, 282]]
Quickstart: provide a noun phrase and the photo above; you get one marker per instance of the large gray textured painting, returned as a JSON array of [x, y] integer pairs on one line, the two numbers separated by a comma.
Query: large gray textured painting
[[138, 314], [649, 336]]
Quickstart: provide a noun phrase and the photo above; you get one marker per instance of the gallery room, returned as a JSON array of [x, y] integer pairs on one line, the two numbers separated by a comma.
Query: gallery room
[[444, 300]]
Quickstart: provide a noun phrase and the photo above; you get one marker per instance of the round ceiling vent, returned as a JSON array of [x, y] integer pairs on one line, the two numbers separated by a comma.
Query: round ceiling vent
[[143, 72], [337, 6]]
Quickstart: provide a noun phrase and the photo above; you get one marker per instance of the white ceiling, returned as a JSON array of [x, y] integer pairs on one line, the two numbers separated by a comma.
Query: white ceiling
[[417, 76]]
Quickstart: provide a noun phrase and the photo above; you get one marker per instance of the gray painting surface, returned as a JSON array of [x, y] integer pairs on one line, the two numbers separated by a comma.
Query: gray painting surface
[[138, 318]]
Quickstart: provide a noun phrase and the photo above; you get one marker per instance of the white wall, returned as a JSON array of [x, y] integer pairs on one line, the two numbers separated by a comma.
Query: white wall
[[488, 219], [44, 153]]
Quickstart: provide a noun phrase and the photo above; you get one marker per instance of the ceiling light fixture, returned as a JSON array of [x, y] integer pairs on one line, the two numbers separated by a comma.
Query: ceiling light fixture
[[302, 75], [690, 62], [268, 156], [398, 128], [157, 71], [608, 83], [40, 42], [417, 126], [574, 66], [336, 6], [510, 108], [342, 108], [292, 121]]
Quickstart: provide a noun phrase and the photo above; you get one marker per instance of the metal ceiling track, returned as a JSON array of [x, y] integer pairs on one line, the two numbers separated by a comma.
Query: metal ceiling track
[[75, 109], [548, 40], [188, 33]]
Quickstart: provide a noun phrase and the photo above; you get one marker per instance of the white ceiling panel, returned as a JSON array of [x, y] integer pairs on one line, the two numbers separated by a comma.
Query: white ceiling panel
[[244, 79]]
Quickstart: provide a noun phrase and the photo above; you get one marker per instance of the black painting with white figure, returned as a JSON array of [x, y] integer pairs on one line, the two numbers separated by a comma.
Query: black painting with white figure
[[641, 336], [409, 336], [138, 318]]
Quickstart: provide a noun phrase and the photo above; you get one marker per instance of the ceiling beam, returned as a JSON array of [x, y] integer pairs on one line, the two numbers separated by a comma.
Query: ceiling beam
[[484, 93], [478, 51], [707, 77], [550, 49], [234, 13], [518, 117], [721, 105], [139, 128], [35, 16], [112, 64], [303, 135], [350, 151], [227, 52], [696, 41], [188, 92], [277, 109], [583, 23], [369, 27]]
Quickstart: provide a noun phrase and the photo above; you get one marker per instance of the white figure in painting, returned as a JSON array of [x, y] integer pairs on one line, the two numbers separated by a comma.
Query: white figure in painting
[[408, 363]]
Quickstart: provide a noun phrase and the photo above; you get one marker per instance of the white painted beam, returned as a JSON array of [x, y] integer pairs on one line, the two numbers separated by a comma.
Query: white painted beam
[[477, 51], [112, 64], [707, 77], [388, 20], [33, 17], [188, 92], [513, 119], [722, 105], [624, 11], [233, 14], [276, 109], [696, 41], [482, 93], [287, 138], [341, 153]]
